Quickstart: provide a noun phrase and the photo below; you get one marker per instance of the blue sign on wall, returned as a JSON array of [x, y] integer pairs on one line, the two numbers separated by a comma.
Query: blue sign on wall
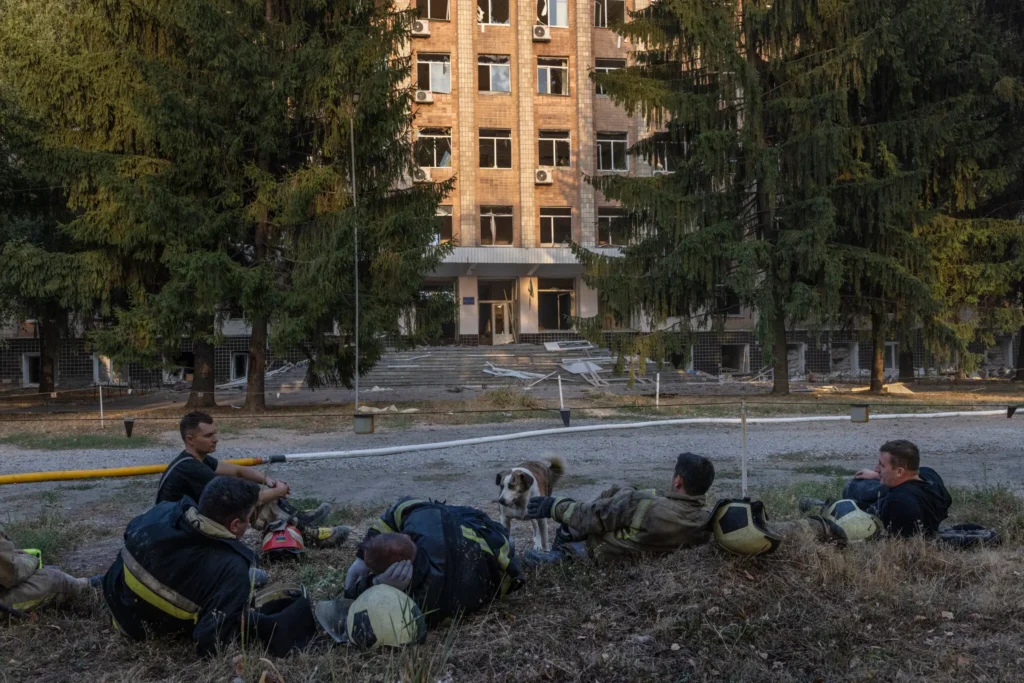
[[467, 301]]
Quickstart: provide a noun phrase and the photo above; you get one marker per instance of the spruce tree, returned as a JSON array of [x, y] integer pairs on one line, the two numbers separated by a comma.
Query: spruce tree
[[751, 104], [207, 162]]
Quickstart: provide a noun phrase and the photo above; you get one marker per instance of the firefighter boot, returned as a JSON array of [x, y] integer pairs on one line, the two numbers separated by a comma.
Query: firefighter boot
[[305, 519], [327, 536]]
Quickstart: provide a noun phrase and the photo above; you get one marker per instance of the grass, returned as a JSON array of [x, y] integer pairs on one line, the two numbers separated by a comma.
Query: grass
[[508, 398], [808, 612], [51, 532], [48, 442], [825, 470]]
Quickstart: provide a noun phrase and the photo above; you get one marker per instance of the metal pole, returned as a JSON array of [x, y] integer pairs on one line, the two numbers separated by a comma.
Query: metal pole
[[101, 406], [657, 390], [355, 236], [743, 469]]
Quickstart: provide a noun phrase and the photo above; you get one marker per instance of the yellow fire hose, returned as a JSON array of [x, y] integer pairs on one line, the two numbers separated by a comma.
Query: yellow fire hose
[[65, 475]]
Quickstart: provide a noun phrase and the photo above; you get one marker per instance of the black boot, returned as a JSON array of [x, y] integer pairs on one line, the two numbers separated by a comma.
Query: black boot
[[574, 550], [305, 519], [808, 504]]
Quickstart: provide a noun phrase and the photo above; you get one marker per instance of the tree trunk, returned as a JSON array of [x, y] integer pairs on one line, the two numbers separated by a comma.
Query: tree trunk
[[49, 348], [203, 384], [1019, 377], [878, 353], [255, 393], [781, 353]]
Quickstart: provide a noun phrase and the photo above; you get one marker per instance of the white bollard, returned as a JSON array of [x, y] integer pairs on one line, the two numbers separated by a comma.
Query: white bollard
[[561, 401], [743, 467], [101, 407], [657, 390]]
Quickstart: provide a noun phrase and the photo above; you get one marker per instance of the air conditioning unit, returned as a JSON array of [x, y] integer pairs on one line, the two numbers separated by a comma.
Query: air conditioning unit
[[541, 33], [542, 176], [421, 175], [421, 28], [424, 97]]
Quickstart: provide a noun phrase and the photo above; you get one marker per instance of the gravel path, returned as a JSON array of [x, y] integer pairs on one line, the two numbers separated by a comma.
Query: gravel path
[[984, 450]]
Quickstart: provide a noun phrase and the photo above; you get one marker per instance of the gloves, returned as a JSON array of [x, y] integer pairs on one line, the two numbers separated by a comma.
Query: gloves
[[541, 507], [398, 575], [356, 573]]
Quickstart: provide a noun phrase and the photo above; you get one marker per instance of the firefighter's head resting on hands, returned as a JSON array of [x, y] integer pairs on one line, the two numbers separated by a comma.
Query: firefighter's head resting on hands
[[230, 502], [384, 550]]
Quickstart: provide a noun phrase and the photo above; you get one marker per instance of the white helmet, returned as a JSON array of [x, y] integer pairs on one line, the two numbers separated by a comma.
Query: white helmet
[[384, 615], [740, 527], [858, 525]]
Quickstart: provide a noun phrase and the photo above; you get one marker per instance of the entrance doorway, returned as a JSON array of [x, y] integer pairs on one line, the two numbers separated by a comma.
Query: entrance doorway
[[498, 311]]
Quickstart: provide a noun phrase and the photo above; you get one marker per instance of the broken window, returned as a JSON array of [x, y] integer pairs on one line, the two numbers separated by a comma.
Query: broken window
[[495, 148], [494, 73], [434, 148], [611, 152], [727, 302], [30, 369], [553, 148], [444, 231], [736, 358], [434, 72], [611, 227], [496, 226], [492, 11], [239, 366], [609, 12], [552, 76], [555, 298], [553, 12], [433, 9], [604, 66], [555, 227], [663, 157]]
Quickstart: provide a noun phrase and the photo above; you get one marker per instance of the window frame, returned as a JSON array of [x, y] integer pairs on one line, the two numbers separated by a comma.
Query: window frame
[[446, 61], [605, 137], [548, 215], [598, 68], [490, 137], [420, 135], [601, 12], [234, 358], [491, 212], [548, 69], [558, 292], [546, 21], [445, 211], [554, 143], [430, 4], [659, 154], [605, 214], [490, 73], [490, 13]]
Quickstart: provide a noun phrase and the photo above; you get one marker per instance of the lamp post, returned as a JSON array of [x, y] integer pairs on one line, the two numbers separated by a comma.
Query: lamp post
[[357, 421]]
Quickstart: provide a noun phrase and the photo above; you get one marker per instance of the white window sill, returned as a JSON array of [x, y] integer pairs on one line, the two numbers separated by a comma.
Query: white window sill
[[494, 92]]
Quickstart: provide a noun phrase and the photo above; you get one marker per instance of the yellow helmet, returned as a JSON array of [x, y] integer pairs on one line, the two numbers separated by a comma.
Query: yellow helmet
[[858, 525], [740, 527], [384, 615]]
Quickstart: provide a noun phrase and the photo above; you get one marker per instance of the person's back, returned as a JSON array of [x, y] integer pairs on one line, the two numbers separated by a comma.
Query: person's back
[[182, 572], [915, 506]]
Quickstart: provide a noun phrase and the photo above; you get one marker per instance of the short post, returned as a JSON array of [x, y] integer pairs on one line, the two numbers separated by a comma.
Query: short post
[[561, 403], [657, 390], [101, 407], [859, 412], [129, 425], [743, 465]]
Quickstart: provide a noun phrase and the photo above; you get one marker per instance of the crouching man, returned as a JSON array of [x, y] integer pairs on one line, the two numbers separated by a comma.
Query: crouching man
[[626, 522], [184, 571], [25, 584], [450, 559]]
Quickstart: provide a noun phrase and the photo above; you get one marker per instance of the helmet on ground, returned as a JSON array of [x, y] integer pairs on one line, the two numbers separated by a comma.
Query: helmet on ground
[[283, 541], [858, 525], [283, 618], [740, 527], [382, 615]]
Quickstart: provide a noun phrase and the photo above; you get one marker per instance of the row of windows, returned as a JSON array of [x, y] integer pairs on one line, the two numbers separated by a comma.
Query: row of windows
[[494, 73], [555, 226], [554, 149], [549, 12]]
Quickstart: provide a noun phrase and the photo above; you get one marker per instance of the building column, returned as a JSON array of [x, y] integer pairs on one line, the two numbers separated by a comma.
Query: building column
[[585, 151], [469, 314], [525, 19], [467, 141]]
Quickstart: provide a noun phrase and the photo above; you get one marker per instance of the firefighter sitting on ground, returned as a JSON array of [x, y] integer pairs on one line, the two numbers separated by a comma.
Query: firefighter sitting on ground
[[195, 467], [624, 522], [450, 559], [26, 584], [184, 570]]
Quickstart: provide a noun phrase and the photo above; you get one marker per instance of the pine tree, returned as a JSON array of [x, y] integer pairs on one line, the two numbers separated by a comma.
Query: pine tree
[[207, 163], [751, 103]]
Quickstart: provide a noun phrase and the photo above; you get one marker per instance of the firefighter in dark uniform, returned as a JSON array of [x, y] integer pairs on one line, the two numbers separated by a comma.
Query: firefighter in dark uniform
[[184, 571], [450, 559]]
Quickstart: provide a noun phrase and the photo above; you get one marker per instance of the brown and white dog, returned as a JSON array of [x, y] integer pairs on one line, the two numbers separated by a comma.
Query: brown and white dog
[[522, 482]]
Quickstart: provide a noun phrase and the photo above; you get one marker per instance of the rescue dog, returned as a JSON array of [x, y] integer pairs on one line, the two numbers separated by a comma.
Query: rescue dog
[[519, 484]]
